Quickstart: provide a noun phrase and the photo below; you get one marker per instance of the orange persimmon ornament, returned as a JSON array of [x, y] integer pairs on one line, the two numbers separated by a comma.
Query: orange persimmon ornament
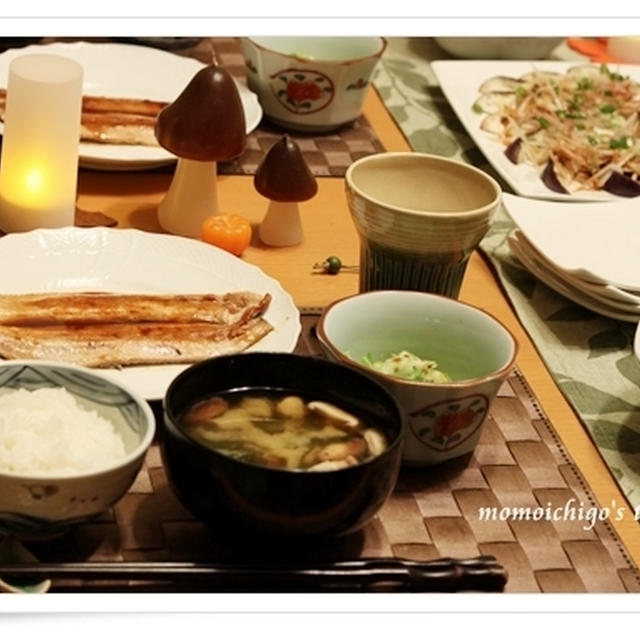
[[228, 231]]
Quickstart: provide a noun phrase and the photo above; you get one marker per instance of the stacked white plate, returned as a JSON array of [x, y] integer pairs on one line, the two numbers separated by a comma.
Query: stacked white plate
[[588, 252]]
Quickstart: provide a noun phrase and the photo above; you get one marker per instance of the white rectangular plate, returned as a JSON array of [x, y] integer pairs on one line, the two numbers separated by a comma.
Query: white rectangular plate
[[460, 81]]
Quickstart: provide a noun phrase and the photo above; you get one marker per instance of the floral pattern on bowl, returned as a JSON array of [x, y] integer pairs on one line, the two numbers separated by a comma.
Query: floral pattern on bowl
[[445, 425], [302, 91]]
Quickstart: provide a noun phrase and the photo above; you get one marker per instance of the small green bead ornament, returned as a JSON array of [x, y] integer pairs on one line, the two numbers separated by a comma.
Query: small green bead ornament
[[333, 265]]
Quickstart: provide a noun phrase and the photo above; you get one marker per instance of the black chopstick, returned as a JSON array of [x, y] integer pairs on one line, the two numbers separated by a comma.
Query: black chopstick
[[481, 573]]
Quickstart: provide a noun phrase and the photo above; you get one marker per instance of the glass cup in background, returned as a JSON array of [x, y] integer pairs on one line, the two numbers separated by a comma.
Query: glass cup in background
[[419, 217]]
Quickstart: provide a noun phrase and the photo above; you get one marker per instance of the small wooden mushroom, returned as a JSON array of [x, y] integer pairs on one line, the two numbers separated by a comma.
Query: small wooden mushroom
[[204, 125], [284, 177]]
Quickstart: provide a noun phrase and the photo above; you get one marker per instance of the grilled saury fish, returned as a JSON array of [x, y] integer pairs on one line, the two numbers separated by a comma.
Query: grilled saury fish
[[120, 345], [118, 330], [89, 308]]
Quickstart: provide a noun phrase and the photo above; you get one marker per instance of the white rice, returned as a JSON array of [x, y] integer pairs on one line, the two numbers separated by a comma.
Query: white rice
[[47, 431]]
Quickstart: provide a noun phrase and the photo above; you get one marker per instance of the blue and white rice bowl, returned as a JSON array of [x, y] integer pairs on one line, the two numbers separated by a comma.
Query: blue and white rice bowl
[[40, 504]]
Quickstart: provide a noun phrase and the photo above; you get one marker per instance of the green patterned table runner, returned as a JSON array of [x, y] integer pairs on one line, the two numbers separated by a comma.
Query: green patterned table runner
[[589, 356]]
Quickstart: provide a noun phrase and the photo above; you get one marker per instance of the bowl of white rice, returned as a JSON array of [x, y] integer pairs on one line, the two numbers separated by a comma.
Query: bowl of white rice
[[72, 441]]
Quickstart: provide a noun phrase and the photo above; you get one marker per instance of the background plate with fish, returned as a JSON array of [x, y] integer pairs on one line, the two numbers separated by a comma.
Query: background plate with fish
[[128, 71]]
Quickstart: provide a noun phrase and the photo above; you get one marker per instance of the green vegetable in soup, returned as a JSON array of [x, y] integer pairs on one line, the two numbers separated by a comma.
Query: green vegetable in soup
[[408, 366], [278, 429]]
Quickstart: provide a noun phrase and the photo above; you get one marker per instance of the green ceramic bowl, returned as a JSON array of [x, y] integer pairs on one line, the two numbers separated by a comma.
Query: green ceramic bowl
[[443, 420]]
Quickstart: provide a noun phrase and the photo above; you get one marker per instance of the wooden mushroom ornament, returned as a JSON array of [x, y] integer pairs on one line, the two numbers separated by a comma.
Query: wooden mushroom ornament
[[204, 125], [284, 177]]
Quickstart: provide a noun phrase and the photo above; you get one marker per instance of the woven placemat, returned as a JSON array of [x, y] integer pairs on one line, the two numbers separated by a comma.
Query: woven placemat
[[519, 463], [327, 154]]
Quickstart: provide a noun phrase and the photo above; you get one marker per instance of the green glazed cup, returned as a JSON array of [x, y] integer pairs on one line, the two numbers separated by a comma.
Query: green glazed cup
[[419, 217]]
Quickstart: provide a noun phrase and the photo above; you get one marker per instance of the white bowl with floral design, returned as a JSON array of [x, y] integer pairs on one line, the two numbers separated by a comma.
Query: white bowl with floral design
[[311, 83], [443, 420]]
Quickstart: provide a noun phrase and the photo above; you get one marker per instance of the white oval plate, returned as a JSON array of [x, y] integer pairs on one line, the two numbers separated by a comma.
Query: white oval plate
[[131, 261], [128, 71]]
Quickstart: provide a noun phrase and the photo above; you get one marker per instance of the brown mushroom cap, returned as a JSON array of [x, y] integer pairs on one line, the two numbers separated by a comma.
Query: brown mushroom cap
[[206, 121], [283, 174]]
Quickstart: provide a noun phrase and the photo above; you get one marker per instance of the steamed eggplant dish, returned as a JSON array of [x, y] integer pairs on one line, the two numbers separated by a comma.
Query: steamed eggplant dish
[[581, 127], [277, 429]]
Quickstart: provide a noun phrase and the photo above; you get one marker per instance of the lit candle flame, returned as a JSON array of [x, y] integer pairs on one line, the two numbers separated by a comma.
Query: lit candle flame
[[34, 180], [39, 154]]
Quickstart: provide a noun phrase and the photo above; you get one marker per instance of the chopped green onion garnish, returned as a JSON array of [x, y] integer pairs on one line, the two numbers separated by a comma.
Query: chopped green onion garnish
[[612, 74], [619, 143]]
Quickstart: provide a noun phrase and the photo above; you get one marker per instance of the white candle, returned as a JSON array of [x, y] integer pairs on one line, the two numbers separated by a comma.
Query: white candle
[[39, 161]]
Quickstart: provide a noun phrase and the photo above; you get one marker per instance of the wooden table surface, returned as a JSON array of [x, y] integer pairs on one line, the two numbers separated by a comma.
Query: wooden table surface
[[132, 197]]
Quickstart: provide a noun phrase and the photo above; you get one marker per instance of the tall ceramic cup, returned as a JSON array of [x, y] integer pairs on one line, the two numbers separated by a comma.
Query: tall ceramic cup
[[419, 217]]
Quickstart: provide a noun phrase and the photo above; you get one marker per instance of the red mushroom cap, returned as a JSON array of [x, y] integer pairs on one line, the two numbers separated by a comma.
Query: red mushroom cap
[[283, 175], [206, 121]]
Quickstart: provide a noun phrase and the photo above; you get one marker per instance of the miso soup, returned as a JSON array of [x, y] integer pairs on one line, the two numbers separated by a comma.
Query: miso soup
[[278, 429]]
